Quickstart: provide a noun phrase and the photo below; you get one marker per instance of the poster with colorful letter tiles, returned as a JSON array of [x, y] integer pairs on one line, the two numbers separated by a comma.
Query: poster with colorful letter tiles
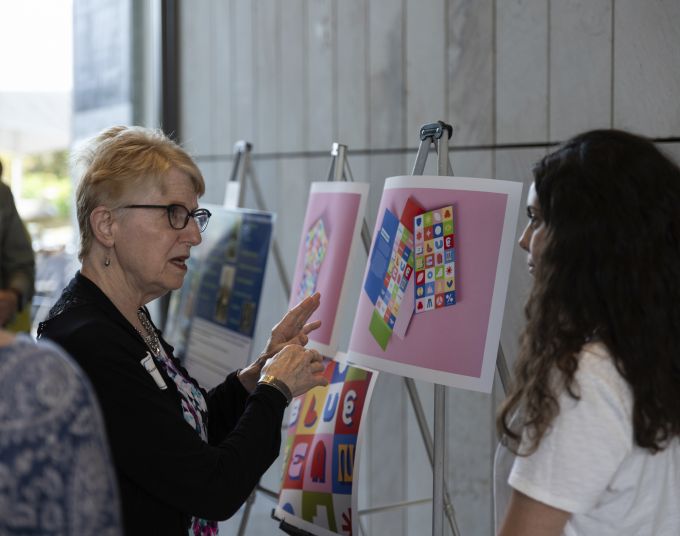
[[320, 468], [484, 213], [391, 270], [435, 259], [316, 244], [330, 238]]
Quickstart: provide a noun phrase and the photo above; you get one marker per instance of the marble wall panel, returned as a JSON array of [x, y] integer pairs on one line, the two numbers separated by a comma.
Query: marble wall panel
[[521, 71], [196, 67], [425, 65], [352, 74], [243, 104], [419, 468], [387, 106], [222, 79], [292, 134], [290, 211], [266, 52], [380, 167], [470, 446], [321, 86], [647, 67], [215, 174], [472, 163], [470, 81], [580, 66]]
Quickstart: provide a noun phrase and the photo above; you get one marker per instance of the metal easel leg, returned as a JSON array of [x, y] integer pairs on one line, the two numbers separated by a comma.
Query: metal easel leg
[[439, 460], [246, 514], [448, 508]]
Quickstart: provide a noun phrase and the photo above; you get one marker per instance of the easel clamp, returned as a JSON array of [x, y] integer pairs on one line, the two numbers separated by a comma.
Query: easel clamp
[[435, 130]]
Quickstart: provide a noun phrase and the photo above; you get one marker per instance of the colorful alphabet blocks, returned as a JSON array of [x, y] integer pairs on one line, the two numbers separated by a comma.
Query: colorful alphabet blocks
[[316, 245], [391, 267], [435, 260], [320, 450]]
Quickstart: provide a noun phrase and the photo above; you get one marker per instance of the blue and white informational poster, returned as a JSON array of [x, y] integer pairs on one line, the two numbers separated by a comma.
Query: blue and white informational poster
[[212, 319]]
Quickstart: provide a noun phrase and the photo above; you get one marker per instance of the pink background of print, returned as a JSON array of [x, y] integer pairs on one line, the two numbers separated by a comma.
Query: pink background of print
[[339, 212], [451, 339]]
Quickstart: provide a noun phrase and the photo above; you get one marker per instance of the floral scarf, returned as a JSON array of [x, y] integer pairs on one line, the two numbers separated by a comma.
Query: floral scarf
[[195, 412]]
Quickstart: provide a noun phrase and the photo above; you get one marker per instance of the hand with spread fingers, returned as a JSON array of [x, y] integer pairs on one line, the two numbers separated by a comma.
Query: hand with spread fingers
[[299, 368], [291, 330]]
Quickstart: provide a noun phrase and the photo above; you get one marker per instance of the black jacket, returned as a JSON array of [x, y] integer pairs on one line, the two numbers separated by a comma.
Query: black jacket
[[166, 473]]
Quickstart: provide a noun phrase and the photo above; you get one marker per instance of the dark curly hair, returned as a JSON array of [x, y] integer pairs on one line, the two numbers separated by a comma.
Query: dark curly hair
[[610, 270]]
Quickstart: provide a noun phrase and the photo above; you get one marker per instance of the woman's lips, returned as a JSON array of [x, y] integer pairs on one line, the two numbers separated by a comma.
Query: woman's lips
[[180, 262]]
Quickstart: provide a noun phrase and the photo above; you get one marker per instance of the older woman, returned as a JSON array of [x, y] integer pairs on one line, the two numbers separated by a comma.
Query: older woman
[[184, 457]]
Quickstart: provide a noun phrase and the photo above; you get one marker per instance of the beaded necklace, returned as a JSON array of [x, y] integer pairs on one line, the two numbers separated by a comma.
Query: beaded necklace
[[151, 337]]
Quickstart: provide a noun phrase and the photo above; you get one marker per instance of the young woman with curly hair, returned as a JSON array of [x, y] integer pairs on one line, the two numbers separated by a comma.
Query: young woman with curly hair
[[594, 415]]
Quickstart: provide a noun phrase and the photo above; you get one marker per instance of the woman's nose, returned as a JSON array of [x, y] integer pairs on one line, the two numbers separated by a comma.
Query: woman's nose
[[193, 232], [525, 238]]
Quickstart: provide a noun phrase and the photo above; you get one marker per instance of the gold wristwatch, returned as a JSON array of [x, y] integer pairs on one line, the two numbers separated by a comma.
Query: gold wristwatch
[[278, 385]]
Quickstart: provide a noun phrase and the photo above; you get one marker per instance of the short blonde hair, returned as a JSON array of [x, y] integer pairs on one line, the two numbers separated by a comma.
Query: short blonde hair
[[120, 160]]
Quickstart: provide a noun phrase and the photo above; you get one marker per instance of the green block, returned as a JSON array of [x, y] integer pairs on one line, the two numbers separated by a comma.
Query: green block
[[380, 330]]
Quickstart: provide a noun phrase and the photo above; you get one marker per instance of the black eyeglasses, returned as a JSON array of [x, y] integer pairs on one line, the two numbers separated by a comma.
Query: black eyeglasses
[[179, 215]]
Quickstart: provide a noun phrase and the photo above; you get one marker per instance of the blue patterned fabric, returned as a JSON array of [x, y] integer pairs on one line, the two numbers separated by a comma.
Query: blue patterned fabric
[[56, 476]]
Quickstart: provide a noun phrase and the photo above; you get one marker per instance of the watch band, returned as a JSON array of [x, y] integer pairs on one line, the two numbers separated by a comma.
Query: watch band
[[268, 379]]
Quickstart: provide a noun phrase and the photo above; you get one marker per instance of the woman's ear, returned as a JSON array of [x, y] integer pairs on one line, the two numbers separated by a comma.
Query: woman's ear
[[101, 222]]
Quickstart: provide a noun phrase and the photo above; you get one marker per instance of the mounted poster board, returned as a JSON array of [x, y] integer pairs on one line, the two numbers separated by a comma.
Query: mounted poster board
[[322, 451], [438, 320], [328, 246], [211, 320]]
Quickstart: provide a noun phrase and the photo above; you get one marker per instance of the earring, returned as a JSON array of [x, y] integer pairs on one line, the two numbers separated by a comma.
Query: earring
[[107, 262]]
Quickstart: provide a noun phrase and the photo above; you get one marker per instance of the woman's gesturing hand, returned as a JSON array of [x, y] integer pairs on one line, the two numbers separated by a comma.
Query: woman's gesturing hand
[[292, 329], [300, 369]]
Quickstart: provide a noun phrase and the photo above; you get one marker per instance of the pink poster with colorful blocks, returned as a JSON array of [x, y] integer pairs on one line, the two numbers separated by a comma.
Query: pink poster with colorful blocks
[[331, 232], [320, 468], [463, 243]]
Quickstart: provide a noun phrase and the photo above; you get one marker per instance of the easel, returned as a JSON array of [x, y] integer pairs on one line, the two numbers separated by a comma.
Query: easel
[[437, 134], [340, 170]]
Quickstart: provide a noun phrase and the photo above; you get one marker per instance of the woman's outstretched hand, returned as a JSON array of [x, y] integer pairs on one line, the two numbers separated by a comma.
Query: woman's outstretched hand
[[292, 329], [299, 368]]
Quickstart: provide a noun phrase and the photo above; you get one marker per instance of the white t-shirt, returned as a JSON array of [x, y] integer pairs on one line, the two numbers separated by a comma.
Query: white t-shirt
[[588, 463]]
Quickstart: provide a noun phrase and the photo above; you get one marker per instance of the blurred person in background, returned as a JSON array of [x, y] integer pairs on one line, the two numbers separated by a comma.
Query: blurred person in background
[[17, 265], [56, 472]]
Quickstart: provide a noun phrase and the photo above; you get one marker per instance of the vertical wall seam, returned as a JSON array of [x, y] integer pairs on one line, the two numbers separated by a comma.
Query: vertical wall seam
[[232, 62], [278, 62], [255, 65], [335, 65], [548, 71], [367, 80], [612, 87], [305, 74], [494, 83], [445, 67], [212, 73], [404, 82]]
